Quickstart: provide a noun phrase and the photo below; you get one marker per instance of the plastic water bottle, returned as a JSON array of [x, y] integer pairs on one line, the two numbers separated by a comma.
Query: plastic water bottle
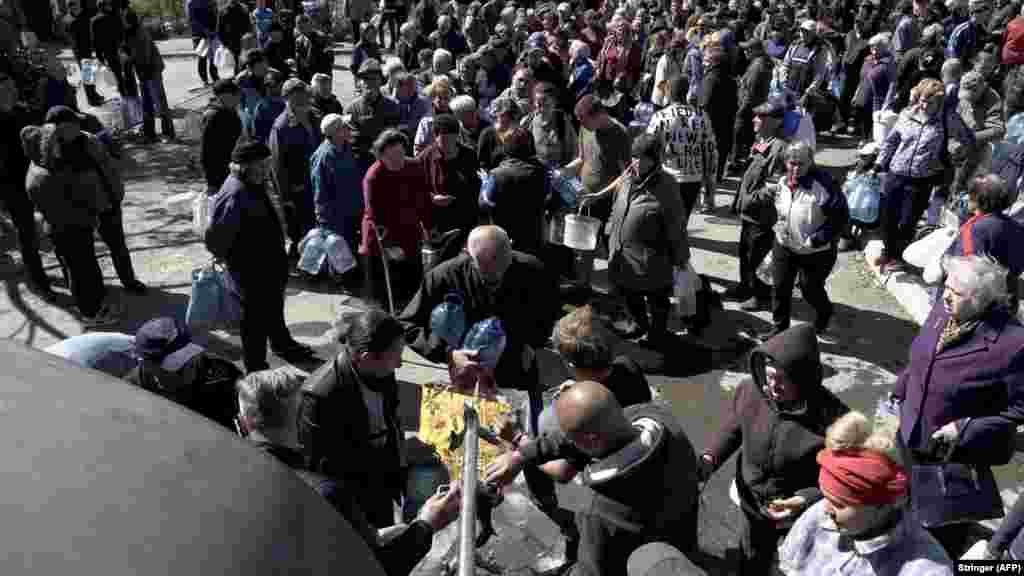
[[448, 320], [486, 338]]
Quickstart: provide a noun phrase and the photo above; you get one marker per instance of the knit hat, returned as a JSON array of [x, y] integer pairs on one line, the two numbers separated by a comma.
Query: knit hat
[[861, 477]]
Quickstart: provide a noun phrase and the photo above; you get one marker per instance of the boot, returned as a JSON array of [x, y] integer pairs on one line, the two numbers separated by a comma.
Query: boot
[[167, 126], [148, 129], [92, 96]]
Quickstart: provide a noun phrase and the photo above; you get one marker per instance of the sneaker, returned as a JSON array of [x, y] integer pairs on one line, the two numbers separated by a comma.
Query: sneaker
[[104, 317], [980, 551], [135, 287]]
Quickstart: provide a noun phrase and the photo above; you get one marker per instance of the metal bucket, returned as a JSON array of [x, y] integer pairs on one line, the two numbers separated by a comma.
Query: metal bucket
[[581, 232]]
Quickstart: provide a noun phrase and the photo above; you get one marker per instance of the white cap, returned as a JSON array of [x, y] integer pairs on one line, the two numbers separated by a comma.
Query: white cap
[[809, 25]]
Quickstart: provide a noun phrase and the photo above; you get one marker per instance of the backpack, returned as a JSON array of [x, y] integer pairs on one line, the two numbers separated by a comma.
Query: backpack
[[205, 384]]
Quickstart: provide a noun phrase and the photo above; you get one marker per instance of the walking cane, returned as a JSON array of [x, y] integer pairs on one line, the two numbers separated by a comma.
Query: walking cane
[[387, 274]]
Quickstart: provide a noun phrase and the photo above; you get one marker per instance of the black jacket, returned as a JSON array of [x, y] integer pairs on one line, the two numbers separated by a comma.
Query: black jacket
[[334, 430], [650, 483], [246, 232], [233, 23], [720, 98], [526, 303], [755, 83], [399, 556], [221, 130], [779, 446], [521, 196], [81, 36], [107, 35]]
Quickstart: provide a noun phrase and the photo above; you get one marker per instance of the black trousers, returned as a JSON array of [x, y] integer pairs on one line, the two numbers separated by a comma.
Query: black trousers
[[742, 134], [111, 229], [205, 63], [905, 199], [262, 315], [76, 250], [689, 192], [814, 269], [649, 309], [22, 214], [755, 244], [300, 214], [758, 546]]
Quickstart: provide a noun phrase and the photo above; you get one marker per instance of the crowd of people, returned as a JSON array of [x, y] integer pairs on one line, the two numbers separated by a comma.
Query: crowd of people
[[462, 137]]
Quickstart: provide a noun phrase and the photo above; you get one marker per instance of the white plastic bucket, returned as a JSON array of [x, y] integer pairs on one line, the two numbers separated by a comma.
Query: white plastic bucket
[[581, 232]]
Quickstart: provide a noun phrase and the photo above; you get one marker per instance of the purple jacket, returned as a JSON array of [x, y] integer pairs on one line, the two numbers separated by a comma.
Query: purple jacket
[[982, 378], [914, 147]]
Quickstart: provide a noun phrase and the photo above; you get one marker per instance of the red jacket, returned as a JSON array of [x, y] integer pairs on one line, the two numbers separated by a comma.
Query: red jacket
[[1013, 47], [398, 201]]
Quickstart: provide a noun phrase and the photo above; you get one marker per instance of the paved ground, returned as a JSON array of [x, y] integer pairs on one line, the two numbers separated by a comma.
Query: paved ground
[[875, 330]]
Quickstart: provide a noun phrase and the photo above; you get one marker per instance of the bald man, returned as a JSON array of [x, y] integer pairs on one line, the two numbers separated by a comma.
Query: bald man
[[639, 480], [494, 281]]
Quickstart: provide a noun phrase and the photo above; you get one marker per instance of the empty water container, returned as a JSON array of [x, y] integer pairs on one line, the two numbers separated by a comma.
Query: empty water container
[[486, 338], [448, 320], [863, 194]]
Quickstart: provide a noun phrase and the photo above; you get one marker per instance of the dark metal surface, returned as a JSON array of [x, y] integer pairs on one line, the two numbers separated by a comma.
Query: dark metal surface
[[100, 477]]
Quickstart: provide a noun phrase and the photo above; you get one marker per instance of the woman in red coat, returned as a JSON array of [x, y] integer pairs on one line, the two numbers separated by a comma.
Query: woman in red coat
[[397, 206]]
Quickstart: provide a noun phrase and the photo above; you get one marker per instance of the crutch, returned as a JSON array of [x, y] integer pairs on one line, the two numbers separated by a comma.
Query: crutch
[[387, 273]]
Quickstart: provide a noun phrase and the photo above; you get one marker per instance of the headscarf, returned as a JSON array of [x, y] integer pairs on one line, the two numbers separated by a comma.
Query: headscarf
[[862, 477]]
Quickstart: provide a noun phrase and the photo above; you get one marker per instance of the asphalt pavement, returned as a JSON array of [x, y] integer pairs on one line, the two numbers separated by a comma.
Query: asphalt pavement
[[874, 329]]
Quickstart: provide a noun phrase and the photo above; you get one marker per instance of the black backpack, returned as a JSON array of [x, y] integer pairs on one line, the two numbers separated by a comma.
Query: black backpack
[[205, 384]]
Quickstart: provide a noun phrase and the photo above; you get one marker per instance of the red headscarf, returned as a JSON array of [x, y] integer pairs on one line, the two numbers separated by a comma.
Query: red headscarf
[[861, 477]]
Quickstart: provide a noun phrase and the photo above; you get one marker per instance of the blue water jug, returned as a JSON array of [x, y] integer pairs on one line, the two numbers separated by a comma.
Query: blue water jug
[[486, 338], [864, 193], [448, 320]]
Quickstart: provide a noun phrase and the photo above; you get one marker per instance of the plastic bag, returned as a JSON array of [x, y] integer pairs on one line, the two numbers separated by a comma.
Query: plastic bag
[[213, 303], [224, 60], [685, 283], [313, 252], [203, 48], [487, 339], [448, 320], [864, 196], [930, 248], [339, 254], [89, 68], [201, 209], [487, 191], [107, 78], [567, 189], [765, 270]]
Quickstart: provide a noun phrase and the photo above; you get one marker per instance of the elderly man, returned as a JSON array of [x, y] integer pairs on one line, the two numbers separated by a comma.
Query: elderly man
[[337, 191], [808, 61], [411, 105], [267, 415], [371, 113], [293, 139], [245, 232], [981, 109], [639, 484], [451, 171], [465, 110], [222, 127], [689, 151]]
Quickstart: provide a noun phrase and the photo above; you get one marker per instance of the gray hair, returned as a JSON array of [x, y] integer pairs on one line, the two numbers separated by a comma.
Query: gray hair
[[392, 65], [984, 279], [462, 104], [802, 150], [442, 55], [266, 398], [952, 70], [882, 39]]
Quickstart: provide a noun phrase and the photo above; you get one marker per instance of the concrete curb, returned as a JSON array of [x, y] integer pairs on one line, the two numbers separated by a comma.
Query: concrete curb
[[67, 56], [908, 289]]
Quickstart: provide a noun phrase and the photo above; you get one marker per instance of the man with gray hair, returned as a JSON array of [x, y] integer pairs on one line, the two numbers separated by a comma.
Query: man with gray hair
[[981, 109], [268, 408], [465, 110]]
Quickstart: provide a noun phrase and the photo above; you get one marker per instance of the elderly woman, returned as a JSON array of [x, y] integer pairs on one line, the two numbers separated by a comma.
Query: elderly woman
[[397, 212], [991, 232], [812, 212], [647, 238], [491, 147], [861, 527], [916, 155], [440, 93], [337, 194], [981, 109], [778, 422], [551, 127], [962, 393]]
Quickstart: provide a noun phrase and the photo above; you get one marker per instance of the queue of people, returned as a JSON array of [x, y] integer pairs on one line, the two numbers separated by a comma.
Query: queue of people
[[650, 108]]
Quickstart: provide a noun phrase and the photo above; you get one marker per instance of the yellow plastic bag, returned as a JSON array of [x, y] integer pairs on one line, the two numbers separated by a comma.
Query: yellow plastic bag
[[441, 414]]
